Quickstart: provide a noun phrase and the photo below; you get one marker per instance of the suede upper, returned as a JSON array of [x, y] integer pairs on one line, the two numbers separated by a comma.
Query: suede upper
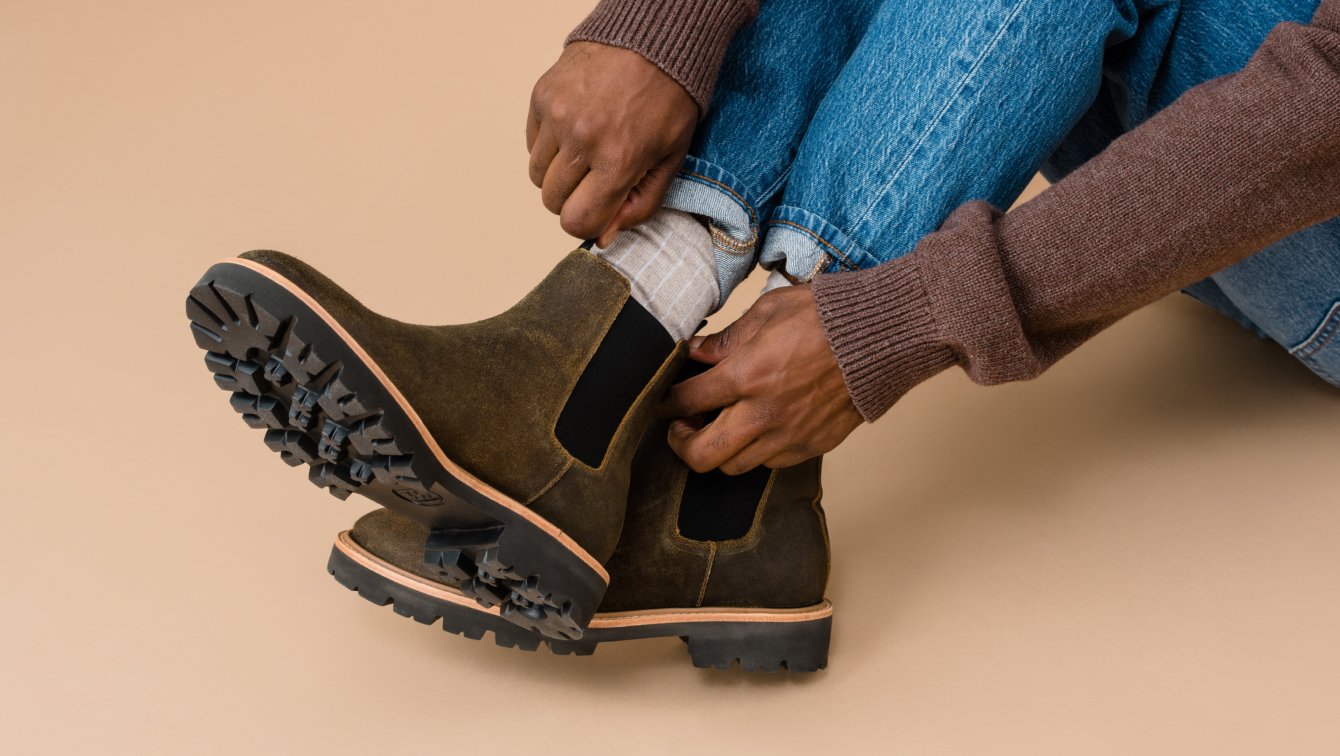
[[490, 392], [782, 562]]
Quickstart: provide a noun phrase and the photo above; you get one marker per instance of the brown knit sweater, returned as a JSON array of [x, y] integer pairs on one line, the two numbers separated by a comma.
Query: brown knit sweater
[[687, 39], [1229, 168]]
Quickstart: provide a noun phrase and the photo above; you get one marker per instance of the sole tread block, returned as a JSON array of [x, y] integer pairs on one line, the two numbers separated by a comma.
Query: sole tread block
[[750, 646], [301, 382]]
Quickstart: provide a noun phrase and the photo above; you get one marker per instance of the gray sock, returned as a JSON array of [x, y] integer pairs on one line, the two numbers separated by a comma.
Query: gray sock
[[671, 264]]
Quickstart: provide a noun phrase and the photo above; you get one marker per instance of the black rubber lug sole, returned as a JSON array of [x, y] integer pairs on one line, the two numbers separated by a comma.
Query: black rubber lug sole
[[290, 374], [753, 646]]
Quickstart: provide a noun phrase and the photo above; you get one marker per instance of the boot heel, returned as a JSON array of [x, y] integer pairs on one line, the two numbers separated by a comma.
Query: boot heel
[[762, 646]]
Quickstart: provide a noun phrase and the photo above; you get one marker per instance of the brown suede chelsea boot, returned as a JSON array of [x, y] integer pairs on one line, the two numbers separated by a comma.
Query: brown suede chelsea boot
[[734, 566], [508, 440]]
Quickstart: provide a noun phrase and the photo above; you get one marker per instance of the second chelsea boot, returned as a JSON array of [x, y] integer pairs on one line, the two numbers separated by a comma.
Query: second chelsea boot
[[508, 440], [736, 566]]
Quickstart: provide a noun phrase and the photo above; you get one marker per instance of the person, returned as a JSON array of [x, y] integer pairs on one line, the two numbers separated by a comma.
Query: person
[[842, 133], [585, 468]]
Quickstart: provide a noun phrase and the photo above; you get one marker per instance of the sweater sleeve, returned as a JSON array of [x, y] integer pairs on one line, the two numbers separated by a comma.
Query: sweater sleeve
[[686, 39], [1232, 166]]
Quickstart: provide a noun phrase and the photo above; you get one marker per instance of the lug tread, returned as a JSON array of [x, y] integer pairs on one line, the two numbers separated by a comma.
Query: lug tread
[[281, 382], [749, 654]]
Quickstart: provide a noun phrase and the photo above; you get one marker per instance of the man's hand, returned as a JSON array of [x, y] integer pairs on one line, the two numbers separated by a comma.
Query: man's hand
[[607, 132], [780, 386]]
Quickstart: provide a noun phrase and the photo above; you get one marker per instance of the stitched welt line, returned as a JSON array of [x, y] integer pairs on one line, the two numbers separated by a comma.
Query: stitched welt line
[[346, 544]]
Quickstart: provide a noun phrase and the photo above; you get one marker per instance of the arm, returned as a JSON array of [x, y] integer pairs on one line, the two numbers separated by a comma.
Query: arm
[[1231, 167], [686, 40], [611, 121]]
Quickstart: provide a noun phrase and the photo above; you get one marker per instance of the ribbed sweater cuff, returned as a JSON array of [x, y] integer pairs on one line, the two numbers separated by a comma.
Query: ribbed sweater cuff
[[880, 325], [686, 39]]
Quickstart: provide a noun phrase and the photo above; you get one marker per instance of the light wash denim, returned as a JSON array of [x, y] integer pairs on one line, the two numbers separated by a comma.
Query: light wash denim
[[841, 132]]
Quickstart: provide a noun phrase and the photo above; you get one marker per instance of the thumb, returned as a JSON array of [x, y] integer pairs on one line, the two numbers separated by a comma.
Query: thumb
[[643, 200], [714, 347]]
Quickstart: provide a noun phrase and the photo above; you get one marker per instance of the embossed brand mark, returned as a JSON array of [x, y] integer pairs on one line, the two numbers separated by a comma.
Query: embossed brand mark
[[418, 496]]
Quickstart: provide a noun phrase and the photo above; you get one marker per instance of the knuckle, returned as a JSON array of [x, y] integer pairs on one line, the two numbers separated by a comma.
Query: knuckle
[[767, 416], [574, 225], [743, 377], [540, 96], [556, 108], [583, 131], [676, 404], [725, 338], [718, 442], [552, 203], [537, 174], [696, 461], [619, 160]]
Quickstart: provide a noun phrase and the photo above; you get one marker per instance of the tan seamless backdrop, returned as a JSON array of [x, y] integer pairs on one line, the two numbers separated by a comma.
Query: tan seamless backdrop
[[1134, 554]]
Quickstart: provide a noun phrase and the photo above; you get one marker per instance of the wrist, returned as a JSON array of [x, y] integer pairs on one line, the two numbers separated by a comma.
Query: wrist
[[686, 40]]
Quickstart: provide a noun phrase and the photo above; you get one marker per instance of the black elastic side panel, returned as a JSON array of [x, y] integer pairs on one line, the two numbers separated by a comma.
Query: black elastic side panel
[[633, 349], [721, 507]]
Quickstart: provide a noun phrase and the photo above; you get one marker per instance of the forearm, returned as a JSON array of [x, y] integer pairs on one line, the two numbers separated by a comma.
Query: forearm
[[1231, 167], [687, 40]]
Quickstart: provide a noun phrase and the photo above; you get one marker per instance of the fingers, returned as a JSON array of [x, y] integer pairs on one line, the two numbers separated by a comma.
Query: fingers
[[765, 448], [543, 148], [593, 204], [714, 444], [532, 126], [564, 174], [715, 347], [643, 200], [702, 393]]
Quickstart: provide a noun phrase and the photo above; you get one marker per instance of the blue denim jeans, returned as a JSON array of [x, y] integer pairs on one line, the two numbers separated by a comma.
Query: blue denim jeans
[[842, 132]]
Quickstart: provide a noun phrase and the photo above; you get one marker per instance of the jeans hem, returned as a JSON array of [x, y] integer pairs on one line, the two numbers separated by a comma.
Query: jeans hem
[[806, 244]]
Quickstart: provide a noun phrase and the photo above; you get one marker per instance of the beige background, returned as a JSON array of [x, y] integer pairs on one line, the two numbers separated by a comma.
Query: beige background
[[1136, 553]]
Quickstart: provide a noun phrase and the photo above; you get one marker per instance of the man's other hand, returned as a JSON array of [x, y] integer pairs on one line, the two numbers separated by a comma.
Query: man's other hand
[[607, 132], [777, 384]]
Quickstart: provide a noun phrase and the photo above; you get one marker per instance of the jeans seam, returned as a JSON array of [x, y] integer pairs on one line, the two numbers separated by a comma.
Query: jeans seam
[[935, 122], [777, 185], [842, 259]]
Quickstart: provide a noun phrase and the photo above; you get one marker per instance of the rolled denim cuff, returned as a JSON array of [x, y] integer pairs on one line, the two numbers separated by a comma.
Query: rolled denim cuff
[[804, 244]]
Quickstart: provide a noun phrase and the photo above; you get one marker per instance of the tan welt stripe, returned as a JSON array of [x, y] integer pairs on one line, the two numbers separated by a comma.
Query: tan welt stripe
[[346, 544]]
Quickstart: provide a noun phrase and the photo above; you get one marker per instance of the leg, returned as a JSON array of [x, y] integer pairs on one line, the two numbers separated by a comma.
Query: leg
[[936, 106], [774, 77], [1289, 292]]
